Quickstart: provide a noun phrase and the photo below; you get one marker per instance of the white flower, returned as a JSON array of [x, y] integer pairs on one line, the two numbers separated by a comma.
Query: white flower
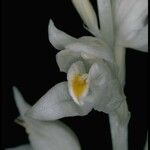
[[87, 88], [98, 66], [95, 66], [52, 135], [91, 74], [92, 83]]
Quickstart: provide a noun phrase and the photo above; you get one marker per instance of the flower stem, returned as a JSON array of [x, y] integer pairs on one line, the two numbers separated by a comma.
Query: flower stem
[[120, 61], [119, 134], [119, 120]]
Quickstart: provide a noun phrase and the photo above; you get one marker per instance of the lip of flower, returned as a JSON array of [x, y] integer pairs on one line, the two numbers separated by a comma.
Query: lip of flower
[[78, 87], [78, 82]]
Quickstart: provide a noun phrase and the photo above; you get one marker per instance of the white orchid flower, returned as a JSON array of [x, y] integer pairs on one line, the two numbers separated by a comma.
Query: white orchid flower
[[91, 74], [96, 88], [52, 135], [61, 100], [95, 66], [89, 60]]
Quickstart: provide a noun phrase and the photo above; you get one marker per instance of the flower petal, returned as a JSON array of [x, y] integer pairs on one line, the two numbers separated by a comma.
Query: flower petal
[[58, 38], [105, 87], [76, 68], [20, 102], [87, 14], [140, 41], [56, 104], [52, 135], [65, 58], [101, 69], [78, 82], [22, 147], [131, 23], [92, 46], [106, 20], [86, 49], [130, 14]]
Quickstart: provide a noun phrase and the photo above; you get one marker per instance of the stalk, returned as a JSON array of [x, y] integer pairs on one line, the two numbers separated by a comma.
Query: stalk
[[119, 120], [119, 127], [120, 53], [119, 134]]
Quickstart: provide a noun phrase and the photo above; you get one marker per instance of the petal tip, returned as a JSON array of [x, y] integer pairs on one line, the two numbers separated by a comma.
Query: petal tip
[[58, 38], [20, 102]]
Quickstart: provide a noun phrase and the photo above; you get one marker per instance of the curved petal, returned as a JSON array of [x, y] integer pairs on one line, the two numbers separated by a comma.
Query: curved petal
[[86, 49], [87, 14], [52, 135], [102, 69], [105, 87], [92, 46], [76, 68], [106, 20], [65, 58], [56, 104], [78, 84], [58, 38], [22, 147]]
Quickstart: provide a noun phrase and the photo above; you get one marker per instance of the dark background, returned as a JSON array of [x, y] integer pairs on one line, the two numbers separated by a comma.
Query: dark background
[[28, 62]]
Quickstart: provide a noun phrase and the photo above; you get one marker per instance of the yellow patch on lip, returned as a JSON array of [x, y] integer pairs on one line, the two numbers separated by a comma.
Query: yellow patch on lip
[[79, 85]]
